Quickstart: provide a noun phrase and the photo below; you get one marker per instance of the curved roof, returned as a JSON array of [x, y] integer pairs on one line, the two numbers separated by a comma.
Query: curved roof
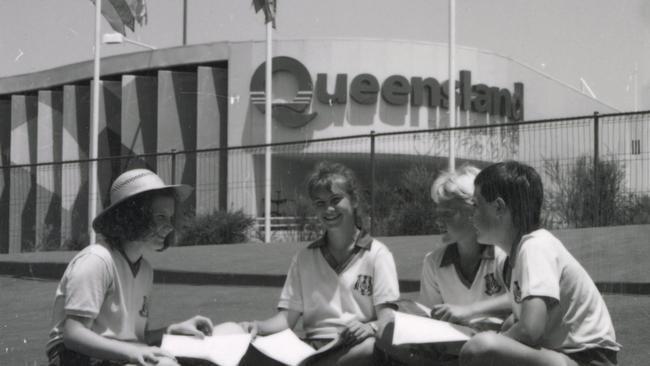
[[115, 65]]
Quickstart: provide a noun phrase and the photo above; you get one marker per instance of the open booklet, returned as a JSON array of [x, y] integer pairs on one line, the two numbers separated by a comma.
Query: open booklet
[[480, 323], [228, 350], [414, 329]]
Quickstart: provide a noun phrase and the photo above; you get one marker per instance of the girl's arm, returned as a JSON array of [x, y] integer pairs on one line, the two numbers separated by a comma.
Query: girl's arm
[[356, 332], [78, 337], [499, 305], [385, 313], [197, 326], [284, 319], [529, 329]]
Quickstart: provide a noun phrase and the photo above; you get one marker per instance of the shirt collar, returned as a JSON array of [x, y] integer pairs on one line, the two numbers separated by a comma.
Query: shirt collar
[[451, 255], [363, 241]]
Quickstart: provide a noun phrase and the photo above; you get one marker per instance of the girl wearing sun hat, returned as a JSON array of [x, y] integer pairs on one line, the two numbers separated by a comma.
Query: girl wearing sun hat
[[101, 307]]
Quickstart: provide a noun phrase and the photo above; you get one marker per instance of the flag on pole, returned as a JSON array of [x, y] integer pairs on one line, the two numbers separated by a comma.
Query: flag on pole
[[122, 14], [269, 7]]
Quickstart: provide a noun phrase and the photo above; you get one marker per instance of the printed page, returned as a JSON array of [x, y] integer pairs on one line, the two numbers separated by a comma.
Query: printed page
[[284, 346], [222, 350], [411, 307], [418, 329]]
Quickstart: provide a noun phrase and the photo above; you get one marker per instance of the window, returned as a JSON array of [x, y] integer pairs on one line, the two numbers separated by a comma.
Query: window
[[636, 147]]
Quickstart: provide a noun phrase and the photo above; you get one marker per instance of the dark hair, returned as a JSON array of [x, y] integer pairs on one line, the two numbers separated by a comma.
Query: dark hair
[[131, 219], [519, 186], [326, 173]]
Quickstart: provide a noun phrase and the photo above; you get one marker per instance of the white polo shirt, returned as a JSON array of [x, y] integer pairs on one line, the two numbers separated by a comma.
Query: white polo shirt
[[579, 319], [100, 284], [442, 280], [330, 297]]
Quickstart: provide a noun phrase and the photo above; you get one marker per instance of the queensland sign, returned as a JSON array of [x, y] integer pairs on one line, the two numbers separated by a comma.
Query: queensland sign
[[395, 90]]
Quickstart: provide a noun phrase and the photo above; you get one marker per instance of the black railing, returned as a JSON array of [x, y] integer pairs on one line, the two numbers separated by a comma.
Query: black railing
[[44, 205]]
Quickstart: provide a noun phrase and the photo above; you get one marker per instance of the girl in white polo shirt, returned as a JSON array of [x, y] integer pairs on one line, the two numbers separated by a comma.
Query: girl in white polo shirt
[[342, 283], [559, 317], [102, 303], [462, 280]]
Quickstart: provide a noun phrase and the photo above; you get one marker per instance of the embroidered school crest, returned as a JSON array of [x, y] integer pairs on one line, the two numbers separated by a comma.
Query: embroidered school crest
[[364, 285], [516, 291], [144, 312], [492, 286]]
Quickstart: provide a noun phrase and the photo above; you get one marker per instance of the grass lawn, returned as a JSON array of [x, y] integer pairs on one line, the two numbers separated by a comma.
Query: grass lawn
[[24, 323], [253, 271]]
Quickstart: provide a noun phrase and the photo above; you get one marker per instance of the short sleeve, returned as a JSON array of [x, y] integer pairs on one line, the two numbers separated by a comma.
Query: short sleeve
[[291, 296], [87, 281], [385, 284], [499, 264], [429, 291], [538, 271]]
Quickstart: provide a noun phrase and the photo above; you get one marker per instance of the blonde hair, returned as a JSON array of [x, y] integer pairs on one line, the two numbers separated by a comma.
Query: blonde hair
[[458, 184]]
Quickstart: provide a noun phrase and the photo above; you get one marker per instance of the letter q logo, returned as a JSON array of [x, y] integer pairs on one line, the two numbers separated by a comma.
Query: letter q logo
[[289, 113]]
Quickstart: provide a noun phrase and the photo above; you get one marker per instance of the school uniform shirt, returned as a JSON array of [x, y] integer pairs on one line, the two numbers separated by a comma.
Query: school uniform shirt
[[330, 295], [101, 284], [442, 281], [578, 318]]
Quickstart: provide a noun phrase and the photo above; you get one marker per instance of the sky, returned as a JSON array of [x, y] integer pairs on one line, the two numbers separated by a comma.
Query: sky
[[601, 41]]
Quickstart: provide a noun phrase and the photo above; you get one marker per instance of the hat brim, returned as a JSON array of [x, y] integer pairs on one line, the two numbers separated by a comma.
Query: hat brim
[[182, 192]]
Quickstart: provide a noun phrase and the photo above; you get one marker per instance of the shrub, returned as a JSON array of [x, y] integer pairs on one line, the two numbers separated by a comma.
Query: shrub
[[308, 227], [406, 209], [219, 227], [580, 197], [638, 209]]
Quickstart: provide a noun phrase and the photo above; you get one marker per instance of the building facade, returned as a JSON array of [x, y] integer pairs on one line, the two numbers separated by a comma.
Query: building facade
[[158, 103]]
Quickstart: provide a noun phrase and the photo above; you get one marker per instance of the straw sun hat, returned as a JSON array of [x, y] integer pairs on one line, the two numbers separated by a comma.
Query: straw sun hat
[[133, 182]]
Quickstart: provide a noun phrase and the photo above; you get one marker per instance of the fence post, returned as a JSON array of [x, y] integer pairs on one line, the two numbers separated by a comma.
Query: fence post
[[173, 166], [596, 168], [372, 181]]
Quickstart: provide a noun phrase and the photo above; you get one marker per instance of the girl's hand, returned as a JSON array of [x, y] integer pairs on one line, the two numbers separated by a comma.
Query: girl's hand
[[452, 313], [198, 326], [508, 323], [250, 328], [356, 332], [148, 356]]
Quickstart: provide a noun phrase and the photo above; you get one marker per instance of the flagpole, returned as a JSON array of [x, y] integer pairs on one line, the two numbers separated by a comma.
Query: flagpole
[[636, 87], [92, 177], [452, 84], [268, 118], [184, 22]]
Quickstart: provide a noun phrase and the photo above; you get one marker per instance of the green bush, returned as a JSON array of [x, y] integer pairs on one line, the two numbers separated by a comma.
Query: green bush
[[580, 196], [219, 227], [308, 227], [406, 208], [638, 209]]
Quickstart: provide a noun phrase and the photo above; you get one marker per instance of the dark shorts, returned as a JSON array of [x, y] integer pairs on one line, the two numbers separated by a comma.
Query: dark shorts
[[594, 357], [61, 356]]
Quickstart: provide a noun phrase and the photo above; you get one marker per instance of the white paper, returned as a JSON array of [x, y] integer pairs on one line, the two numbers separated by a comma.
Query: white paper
[[224, 350], [284, 346], [411, 329]]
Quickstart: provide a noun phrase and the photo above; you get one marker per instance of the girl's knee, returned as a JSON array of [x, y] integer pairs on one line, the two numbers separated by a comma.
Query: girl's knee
[[479, 347], [360, 354], [365, 348]]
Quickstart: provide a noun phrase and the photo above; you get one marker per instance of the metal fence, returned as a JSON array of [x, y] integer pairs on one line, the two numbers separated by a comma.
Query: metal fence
[[595, 170]]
